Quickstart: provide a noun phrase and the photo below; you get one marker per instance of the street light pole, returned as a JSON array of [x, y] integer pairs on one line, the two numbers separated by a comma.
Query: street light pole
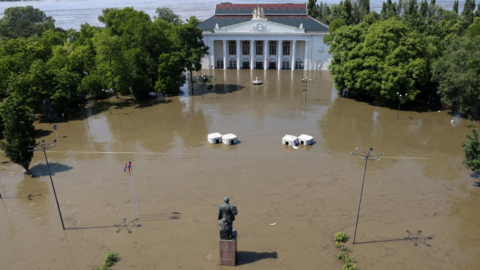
[[366, 155], [400, 97], [203, 80], [306, 81], [43, 147]]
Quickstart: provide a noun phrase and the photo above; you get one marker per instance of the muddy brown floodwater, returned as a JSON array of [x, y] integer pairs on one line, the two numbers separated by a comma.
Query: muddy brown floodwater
[[419, 206]]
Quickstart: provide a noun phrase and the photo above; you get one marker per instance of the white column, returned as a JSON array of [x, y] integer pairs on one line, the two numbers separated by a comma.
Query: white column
[[238, 53], [293, 54], [224, 54], [252, 53], [265, 54], [279, 54], [307, 55], [212, 54]]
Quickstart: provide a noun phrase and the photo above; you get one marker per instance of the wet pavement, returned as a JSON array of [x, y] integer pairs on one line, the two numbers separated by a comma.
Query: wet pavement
[[419, 205]]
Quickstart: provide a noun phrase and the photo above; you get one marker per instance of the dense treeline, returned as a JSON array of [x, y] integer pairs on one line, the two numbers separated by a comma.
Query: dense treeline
[[412, 47], [131, 54]]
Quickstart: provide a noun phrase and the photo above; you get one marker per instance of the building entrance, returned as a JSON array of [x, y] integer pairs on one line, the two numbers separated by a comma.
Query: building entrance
[[246, 65], [259, 65]]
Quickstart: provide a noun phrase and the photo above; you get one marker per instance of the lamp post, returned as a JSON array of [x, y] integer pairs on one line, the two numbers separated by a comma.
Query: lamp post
[[400, 98], [108, 98], [305, 82], [43, 147], [203, 78], [366, 155]]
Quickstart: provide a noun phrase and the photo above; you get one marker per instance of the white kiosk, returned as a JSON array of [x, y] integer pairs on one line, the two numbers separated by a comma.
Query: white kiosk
[[214, 138], [290, 140], [229, 139], [305, 139]]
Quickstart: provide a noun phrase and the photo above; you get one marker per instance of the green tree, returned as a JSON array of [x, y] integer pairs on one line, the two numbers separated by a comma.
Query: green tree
[[170, 73], [457, 73], [25, 22], [18, 132], [455, 6], [187, 39], [472, 151], [167, 15], [379, 60], [474, 29], [334, 25], [312, 8]]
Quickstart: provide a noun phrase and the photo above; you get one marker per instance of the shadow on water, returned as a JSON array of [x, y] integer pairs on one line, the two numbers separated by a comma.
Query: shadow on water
[[41, 170], [155, 217], [417, 238], [122, 226], [219, 88], [246, 257], [412, 106], [39, 133]]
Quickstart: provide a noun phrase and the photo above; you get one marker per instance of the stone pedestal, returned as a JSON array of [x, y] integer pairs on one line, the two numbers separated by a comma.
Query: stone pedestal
[[228, 252]]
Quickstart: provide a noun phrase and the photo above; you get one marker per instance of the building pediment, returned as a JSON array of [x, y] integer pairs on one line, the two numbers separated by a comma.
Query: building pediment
[[260, 26]]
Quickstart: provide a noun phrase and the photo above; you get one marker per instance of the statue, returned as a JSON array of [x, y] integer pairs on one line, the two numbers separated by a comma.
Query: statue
[[226, 216], [258, 13], [255, 13], [49, 112]]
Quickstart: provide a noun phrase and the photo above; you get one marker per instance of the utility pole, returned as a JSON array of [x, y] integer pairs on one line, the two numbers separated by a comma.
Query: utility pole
[[43, 147], [366, 155], [400, 98], [305, 82]]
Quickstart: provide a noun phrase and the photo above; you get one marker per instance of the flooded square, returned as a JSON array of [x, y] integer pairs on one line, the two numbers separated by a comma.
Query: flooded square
[[419, 206]]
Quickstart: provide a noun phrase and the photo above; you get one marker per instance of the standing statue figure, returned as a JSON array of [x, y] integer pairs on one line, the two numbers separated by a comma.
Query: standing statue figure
[[226, 216], [262, 13], [255, 13]]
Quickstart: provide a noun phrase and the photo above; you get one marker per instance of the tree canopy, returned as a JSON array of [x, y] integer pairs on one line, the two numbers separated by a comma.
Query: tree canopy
[[472, 151], [18, 132], [412, 47], [25, 22]]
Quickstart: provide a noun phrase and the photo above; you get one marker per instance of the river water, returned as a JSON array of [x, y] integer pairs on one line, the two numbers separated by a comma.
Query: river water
[[72, 13], [419, 206]]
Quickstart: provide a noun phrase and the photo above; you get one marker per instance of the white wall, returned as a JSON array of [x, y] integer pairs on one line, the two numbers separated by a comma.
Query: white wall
[[318, 51]]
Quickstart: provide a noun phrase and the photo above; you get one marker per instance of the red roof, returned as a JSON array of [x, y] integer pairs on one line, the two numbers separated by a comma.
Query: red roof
[[264, 6], [269, 9]]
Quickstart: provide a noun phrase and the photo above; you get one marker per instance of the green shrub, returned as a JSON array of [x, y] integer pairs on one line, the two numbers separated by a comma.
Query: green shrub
[[342, 256], [349, 266], [338, 245], [340, 237], [103, 267], [110, 259]]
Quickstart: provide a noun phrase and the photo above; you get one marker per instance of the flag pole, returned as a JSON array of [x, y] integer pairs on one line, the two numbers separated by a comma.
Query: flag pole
[[134, 191], [130, 189]]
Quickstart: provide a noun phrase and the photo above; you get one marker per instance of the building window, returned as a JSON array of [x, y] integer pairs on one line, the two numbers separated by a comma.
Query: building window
[[232, 64], [272, 65], [219, 63], [299, 64], [273, 48], [286, 48], [259, 47], [285, 64], [232, 47], [246, 47]]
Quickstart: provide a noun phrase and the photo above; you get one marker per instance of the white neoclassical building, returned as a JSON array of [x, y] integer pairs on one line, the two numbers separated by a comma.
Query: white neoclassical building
[[264, 36]]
